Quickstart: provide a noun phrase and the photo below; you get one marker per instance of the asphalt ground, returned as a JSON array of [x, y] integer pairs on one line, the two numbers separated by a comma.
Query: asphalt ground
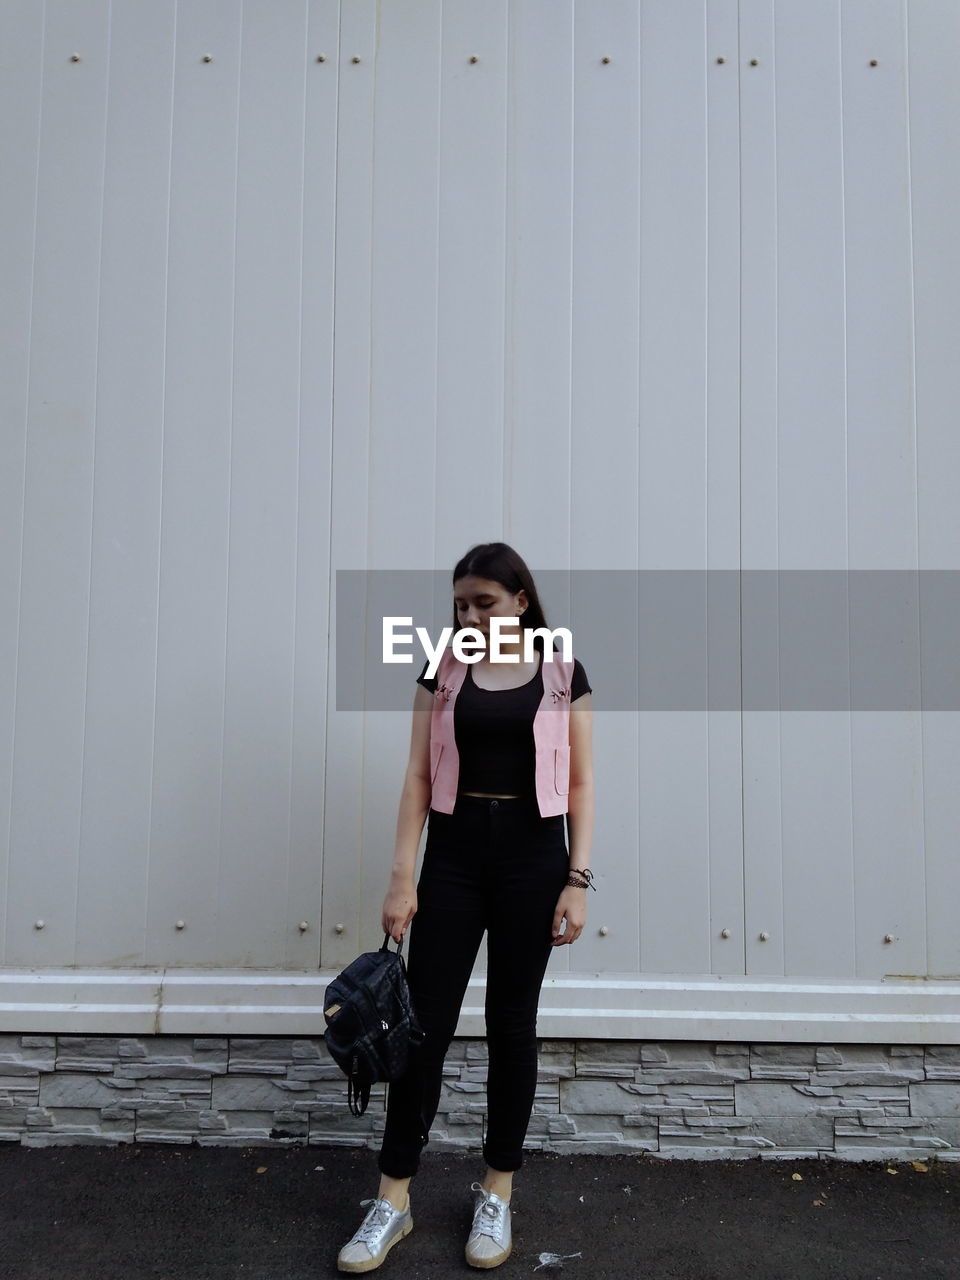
[[199, 1213]]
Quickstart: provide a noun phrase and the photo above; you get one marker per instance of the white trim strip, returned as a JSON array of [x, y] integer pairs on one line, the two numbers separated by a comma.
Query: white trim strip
[[610, 1006]]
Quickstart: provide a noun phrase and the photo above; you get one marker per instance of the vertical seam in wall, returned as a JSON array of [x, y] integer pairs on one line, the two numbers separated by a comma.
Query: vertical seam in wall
[[708, 877], [570, 297], [743, 774], [572, 153], [361, 824], [706, 313], [436, 291], [845, 320], [923, 896], [509, 274], [108, 43], [291, 759], [232, 399], [331, 570], [370, 348], [639, 371], [776, 418], [159, 541]]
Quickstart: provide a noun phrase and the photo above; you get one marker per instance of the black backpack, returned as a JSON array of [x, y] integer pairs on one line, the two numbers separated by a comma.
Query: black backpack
[[371, 1022]]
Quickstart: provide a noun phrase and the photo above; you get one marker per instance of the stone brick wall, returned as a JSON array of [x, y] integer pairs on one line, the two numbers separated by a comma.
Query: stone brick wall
[[686, 1099]]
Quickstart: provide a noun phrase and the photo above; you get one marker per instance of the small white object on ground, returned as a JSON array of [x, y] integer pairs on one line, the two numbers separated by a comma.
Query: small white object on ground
[[555, 1259]]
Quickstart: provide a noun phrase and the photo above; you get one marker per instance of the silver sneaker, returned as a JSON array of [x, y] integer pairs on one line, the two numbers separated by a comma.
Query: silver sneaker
[[490, 1241], [378, 1233]]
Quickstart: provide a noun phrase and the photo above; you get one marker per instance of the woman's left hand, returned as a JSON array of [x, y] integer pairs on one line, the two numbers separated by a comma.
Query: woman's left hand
[[572, 907]]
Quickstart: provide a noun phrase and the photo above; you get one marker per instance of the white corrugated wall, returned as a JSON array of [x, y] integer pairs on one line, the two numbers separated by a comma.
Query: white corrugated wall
[[296, 285]]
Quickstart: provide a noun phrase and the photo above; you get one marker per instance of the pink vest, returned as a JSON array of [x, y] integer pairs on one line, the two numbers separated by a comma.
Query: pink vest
[[551, 735]]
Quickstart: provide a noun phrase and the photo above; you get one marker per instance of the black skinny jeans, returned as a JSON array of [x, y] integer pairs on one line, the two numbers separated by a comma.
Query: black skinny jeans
[[492, 865]]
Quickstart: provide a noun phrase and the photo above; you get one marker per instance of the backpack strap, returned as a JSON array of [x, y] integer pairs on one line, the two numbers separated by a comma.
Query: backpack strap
[[358, 1096], [358, 1091]]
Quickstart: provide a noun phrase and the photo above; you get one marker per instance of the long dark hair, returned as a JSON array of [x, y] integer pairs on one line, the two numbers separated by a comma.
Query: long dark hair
[[498, 562]]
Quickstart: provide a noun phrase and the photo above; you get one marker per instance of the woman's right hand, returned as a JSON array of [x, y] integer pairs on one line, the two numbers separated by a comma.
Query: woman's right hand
[[399, 908]]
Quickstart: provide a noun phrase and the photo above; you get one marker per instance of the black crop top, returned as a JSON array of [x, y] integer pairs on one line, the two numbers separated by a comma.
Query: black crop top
[[494, 731]]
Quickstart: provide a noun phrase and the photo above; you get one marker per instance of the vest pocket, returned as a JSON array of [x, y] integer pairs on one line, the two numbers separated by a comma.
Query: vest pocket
[[436, 751], [562, 770]]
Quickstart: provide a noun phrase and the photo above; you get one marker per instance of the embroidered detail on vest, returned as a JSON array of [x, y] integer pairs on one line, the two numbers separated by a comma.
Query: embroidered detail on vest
[[557, 694], [444, 691]]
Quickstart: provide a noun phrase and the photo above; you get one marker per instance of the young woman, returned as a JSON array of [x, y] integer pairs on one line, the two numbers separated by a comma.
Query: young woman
[[499, 753]]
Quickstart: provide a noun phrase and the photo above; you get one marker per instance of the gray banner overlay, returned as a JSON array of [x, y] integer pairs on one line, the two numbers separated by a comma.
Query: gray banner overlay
[[691, 640]]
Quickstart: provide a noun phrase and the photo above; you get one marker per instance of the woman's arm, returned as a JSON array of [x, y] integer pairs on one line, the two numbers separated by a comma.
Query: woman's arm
[[400, 903], [572, 903], [580, 800]]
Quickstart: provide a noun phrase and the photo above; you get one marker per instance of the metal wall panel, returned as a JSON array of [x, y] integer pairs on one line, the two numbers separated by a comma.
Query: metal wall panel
[[536, 481], [604, 405], [21, 93], [114, 846], [402, 376], [188, 767], [312, 666], [264, 445], [55, 554], [882, 492], [811, 479], [473, 143], [343, 884], [760, 730], [673, 838], [933, 107], [297, 286], [724, 923]]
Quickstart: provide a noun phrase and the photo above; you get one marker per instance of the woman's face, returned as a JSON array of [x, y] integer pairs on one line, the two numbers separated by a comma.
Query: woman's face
[[476, 600]]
